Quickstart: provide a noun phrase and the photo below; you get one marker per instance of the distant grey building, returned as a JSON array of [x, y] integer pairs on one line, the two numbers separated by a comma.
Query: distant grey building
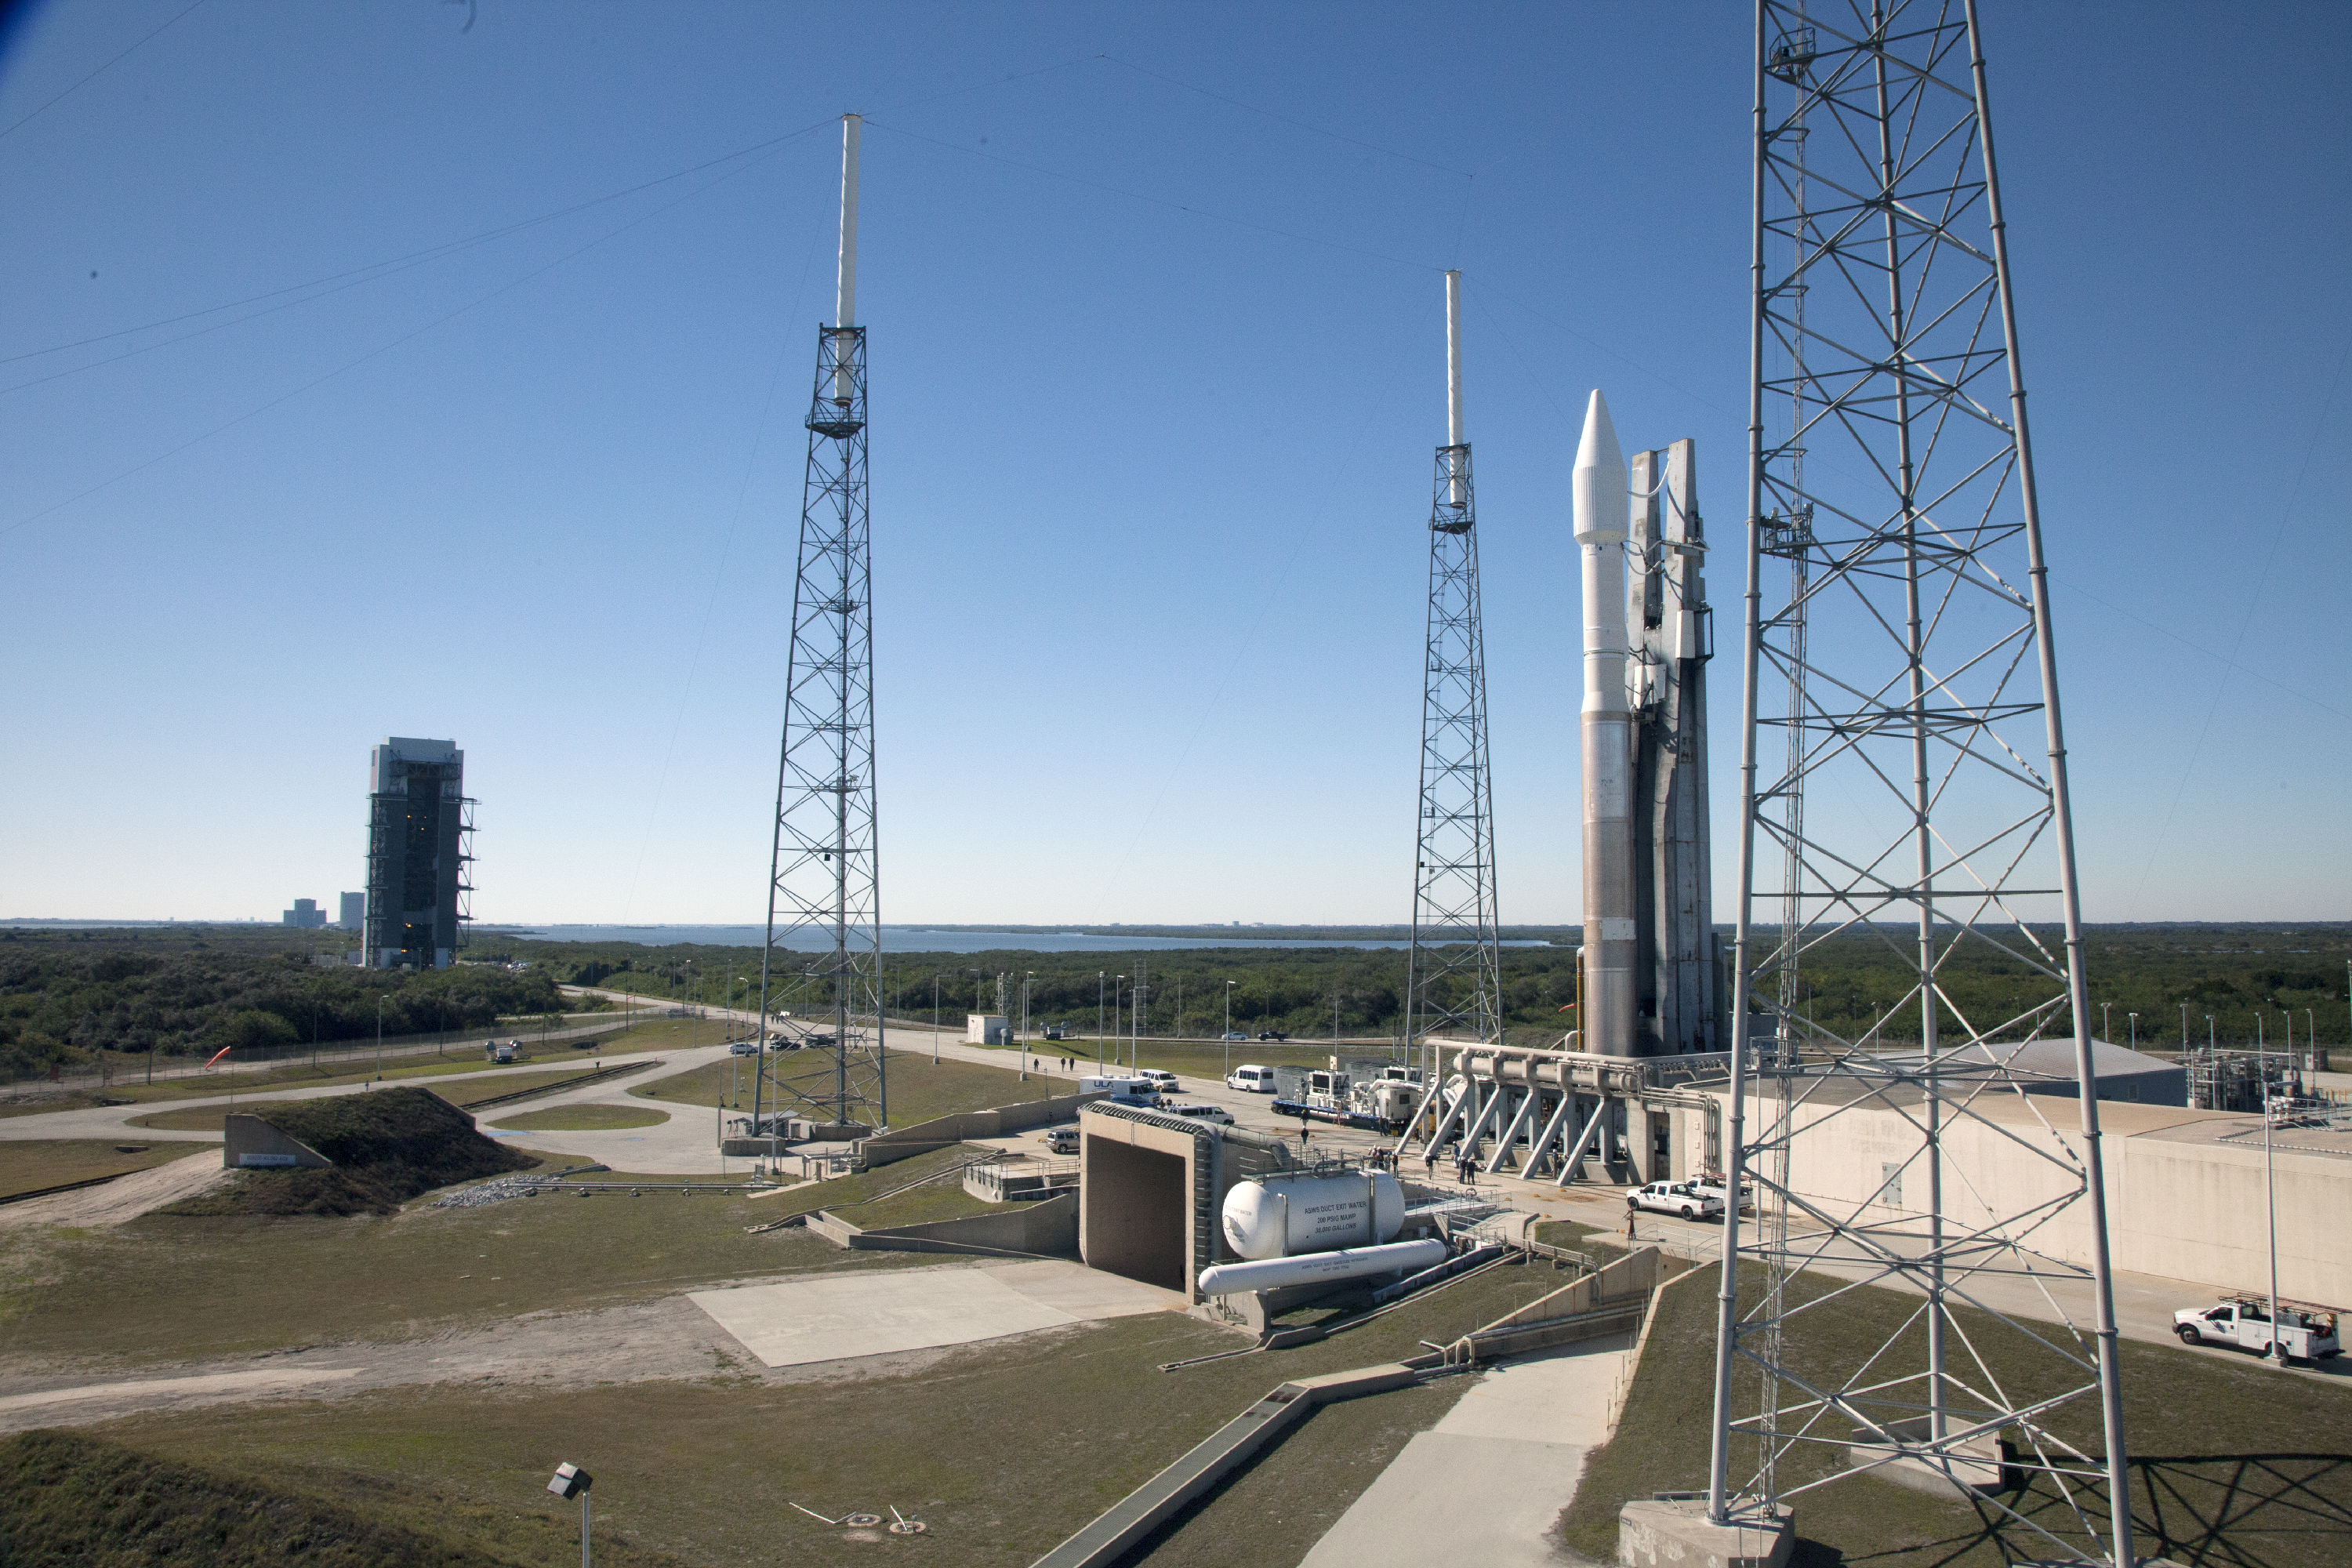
[[354, 913], [305, 913], [420, 839]]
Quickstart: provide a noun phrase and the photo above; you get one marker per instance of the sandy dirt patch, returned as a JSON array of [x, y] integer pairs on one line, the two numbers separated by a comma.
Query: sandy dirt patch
[[125, 1197]]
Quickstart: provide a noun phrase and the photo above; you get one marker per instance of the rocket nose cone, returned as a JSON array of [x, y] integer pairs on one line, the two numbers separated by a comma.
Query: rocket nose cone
[[1598, 449]]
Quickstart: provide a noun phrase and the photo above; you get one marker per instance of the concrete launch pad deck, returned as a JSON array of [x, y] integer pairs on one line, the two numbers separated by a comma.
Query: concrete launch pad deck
[[884, 1311]]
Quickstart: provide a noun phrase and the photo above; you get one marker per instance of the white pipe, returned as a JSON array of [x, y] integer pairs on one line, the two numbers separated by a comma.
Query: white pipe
[[1603, 513], [1317, 1268]]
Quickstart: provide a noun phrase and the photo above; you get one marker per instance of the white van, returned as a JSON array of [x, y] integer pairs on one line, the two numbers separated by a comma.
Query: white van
[[1251, 1078], [1216, 1113], [1124, 1089]]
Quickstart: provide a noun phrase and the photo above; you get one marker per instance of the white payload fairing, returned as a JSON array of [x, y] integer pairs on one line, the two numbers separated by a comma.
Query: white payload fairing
[[1650, 949]]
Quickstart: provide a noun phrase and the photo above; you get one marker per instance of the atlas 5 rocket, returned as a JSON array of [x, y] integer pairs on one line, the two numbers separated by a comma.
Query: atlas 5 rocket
[[1602, 510], [1651, 951]]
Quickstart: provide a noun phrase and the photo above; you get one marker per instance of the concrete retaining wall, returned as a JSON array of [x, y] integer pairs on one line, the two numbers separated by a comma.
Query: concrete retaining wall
[[2179, 1203], [250, 1143], [1048, 1229]]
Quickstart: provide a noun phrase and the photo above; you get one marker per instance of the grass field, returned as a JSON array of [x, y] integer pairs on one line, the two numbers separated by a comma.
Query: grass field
[[297, 1075], [461, 1094], [33, 1164], [920, 1088], [1003, 1449], [580, 1118], [2232, 1463], [169, 1288], [67, 1497]]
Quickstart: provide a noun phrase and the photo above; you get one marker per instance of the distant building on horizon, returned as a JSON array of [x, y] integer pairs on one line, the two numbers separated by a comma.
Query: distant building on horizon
[[355, 912], [305, 913], [420, 839]]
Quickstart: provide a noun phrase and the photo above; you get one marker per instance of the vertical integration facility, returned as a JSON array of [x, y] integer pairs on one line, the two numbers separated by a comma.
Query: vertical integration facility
[[420, 842]]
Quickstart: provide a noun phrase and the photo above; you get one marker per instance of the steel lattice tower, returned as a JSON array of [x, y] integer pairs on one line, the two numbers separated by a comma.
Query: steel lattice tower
[[1453, 975], [1900, 651], [823, 874]]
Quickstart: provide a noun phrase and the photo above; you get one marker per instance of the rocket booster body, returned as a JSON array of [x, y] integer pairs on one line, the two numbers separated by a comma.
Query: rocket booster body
[[1602, 512]]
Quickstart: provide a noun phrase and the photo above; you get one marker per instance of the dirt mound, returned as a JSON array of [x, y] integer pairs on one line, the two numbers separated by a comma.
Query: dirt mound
[[387, 1145], [69, 1498]]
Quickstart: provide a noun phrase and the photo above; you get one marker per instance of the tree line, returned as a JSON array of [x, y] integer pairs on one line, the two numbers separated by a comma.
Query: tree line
[[2247, 978], [65, 996]]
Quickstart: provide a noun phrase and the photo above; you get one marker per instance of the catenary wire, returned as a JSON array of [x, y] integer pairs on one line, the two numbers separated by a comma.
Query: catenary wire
[[101, 71]]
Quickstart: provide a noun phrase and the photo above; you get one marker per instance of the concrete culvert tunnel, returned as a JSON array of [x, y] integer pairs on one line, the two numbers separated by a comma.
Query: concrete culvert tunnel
[[1138, 1206]]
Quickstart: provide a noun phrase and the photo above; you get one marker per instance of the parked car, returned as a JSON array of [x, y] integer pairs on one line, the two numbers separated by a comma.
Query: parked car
[[2304, 1334], [1251, 1078], [1216, 1113], [744, 1048], [1161, 1075], [1232, 1034], [1272, 1034], [1062, 1139], [1057, 1031], [1675, 1198]]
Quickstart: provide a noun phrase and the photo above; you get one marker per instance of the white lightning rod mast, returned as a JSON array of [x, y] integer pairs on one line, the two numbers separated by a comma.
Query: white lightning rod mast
[[1454, 437], [844, 314]]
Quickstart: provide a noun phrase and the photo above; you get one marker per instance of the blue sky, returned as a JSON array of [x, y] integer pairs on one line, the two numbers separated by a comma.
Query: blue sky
[[1156, 345]]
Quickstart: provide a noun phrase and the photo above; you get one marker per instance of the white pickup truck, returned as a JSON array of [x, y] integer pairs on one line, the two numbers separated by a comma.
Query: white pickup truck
[[1675, 1198], [2305, 1333]]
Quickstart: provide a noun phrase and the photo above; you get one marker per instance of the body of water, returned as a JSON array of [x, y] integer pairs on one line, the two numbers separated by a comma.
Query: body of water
[[920, 939]]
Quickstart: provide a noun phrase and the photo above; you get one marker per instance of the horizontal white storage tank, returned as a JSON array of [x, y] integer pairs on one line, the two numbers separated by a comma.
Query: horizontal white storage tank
[[1313, 1214], [1319, 1267]]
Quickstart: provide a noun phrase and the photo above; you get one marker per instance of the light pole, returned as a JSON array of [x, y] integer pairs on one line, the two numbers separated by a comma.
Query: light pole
[[1023, 1042], [1229, 1030], [2276, 1352], [1098, 1018], [1115, 982], [935, 1020], [2106, 1022], [2135, 1029], [379, 1001], [2184, 1026], [2310, 1041]]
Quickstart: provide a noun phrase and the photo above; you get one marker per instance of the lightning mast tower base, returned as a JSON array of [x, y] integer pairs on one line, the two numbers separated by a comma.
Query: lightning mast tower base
[[1672, 1530]]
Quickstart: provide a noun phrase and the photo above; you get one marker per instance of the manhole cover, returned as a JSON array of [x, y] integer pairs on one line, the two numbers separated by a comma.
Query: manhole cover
[[862, 1520]]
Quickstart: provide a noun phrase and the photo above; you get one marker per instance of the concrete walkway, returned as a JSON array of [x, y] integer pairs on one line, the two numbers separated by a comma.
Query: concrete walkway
[[1516, 1443]]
